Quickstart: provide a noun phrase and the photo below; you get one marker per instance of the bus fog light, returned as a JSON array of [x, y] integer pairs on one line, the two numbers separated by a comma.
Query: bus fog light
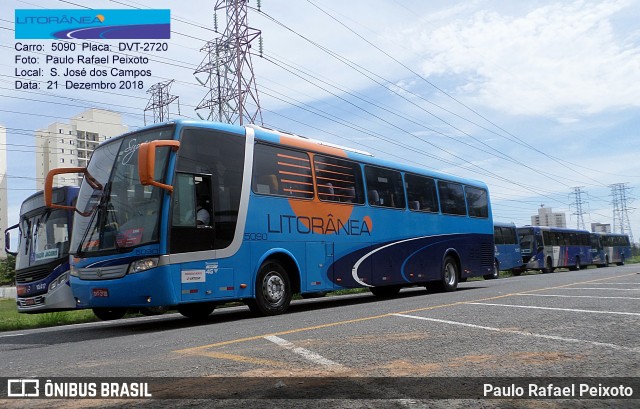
[[143, 265]]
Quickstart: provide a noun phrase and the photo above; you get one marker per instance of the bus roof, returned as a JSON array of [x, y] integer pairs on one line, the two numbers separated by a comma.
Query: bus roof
[[309, 144]]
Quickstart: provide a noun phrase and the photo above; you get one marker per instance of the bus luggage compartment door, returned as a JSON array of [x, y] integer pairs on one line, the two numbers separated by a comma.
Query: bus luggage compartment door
[[319, 263]]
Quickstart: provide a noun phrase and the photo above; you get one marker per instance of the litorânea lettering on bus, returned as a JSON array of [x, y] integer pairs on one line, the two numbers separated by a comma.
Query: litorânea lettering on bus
[[286, 223]]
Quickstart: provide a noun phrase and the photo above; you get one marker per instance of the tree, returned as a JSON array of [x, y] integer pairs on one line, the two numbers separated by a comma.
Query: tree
[[8, 270]]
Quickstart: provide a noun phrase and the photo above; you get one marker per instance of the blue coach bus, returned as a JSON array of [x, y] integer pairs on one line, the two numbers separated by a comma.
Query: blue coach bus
[[609, 248], [42, 253], [507, 249], [548, 248], [287, 214]]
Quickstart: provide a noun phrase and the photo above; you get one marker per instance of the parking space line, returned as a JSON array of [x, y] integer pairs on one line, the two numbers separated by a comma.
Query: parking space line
[[602, 288], [579, 296], [556, 309], [199, 349], [525, 333], [618, 283], [305, 353]]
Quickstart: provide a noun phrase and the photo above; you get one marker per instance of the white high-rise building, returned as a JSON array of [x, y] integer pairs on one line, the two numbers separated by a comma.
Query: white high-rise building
[[62, 145], [4, 212], [546, 217]]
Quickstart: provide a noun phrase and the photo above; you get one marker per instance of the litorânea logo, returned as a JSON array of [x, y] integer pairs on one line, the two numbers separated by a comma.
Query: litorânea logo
[[92, 24]]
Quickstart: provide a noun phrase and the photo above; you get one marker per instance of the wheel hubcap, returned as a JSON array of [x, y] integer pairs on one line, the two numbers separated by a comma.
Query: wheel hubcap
[[449, 274], [274, 288]]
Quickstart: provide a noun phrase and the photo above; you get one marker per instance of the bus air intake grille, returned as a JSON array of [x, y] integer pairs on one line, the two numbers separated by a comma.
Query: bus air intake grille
[[486, 255], [103, 273], [25, 277]]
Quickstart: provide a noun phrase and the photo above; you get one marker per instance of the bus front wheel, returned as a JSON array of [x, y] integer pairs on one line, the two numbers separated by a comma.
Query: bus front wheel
[[548, 266], [273, 290], [108, 314]]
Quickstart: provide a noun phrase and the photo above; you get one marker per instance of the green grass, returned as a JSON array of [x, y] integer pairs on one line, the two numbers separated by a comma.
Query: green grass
[[11, 319]]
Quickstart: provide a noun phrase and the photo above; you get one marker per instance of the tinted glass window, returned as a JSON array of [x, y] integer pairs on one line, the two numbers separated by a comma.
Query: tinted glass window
[[282, 172], [215, 162], [451, 198], [509, 235], [384, 187], [477, 201], [421, 193], [497, 235], [338, 180]]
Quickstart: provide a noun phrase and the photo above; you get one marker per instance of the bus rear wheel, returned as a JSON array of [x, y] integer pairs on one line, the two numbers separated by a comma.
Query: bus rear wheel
[[196, 311], [450, 276], [621, 262], [273, 290], [496, 272], [108, 314]]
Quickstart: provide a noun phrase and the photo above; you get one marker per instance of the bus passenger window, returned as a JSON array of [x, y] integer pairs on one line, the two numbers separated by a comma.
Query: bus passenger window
[[387, 184], [338, 180]]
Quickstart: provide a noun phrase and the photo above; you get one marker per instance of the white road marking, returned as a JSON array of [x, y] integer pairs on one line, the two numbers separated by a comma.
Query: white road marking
[[305, 353], [579, 296], [11, 335], [556, 309], [525, 333], [600, 289], [614, 283]]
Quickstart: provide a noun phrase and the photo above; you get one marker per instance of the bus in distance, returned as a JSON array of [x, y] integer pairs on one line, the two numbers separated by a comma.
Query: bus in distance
[[547, 248], [507, 249], [285, 214], [42, 253], [609, 248]]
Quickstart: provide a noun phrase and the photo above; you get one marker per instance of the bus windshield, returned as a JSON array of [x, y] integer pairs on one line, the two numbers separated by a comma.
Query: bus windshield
[[527, 241], [45, 238], [118, 213]]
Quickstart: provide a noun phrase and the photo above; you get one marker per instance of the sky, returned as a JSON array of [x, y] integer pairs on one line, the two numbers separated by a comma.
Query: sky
[[534, 98]]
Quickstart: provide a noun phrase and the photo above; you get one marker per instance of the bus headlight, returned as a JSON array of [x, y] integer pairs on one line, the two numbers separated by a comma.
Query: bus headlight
[[74, 271], [143, 265]]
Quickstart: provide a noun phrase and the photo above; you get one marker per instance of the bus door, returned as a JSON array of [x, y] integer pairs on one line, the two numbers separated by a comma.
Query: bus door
[[319, 263], [192, 227]]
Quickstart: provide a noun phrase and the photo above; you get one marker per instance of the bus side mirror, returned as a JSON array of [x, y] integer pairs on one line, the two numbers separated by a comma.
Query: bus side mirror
[[48, 186], [147, 162], [7, 241]]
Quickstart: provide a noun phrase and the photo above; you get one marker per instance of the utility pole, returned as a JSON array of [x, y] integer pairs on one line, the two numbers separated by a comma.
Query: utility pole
[[578, 202], [621, 222], [159, 101], [232, 96]]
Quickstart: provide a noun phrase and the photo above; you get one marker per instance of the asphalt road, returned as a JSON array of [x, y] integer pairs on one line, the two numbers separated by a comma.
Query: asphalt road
[[564, 324]]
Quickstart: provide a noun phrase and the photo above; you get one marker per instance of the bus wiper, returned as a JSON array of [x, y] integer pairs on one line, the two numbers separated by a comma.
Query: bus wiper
[[100, 208]]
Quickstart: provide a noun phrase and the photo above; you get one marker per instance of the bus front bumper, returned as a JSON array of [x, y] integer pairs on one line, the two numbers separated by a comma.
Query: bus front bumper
[[151, 288]]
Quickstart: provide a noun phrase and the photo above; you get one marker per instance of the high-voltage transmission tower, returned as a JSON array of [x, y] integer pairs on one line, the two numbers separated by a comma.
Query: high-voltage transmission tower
[[159, 101], [578, 202], [621, 222], [232, 96]]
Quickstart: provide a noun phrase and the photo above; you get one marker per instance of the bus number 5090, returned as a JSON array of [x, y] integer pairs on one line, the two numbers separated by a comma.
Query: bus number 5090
[[255, 236]]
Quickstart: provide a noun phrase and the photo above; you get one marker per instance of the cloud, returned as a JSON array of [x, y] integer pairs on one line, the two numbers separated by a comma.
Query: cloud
[[562, 59]]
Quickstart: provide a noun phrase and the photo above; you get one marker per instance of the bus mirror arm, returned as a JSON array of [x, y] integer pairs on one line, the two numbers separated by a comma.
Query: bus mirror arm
[[48, 185], [7, 241], [147, 162]]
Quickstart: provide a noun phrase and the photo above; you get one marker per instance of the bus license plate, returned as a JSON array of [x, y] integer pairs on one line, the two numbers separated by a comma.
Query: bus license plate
[[100, 292], [30, 301]]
